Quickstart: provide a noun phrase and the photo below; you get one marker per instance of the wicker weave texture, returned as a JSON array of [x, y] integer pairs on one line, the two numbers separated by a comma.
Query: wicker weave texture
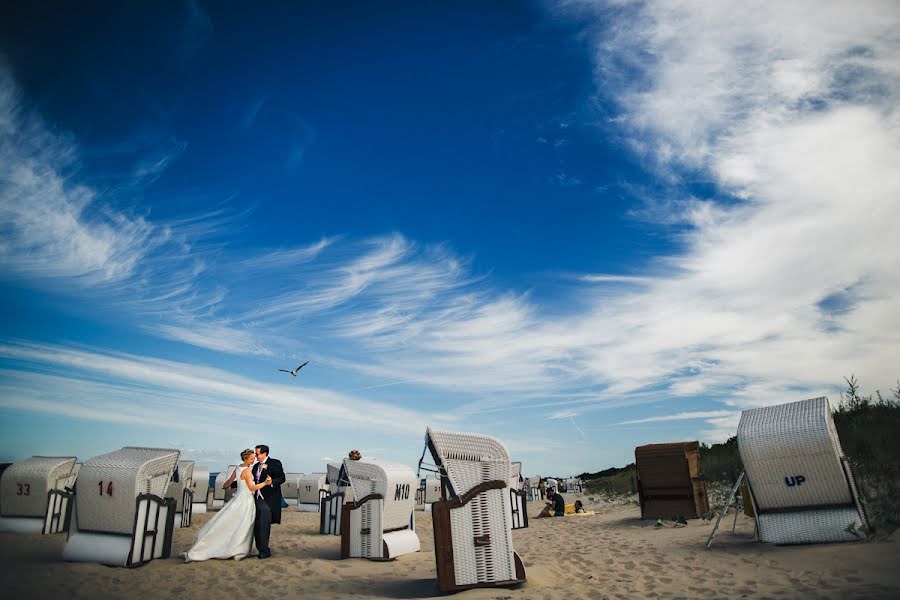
[[470, 459], [108, 485], [308, 487], [24, 484], [485, 515], [792, 455], [810, 527], [395, 482]]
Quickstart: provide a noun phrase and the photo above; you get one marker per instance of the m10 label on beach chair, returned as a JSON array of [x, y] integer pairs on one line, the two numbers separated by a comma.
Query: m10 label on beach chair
[[121, 516]]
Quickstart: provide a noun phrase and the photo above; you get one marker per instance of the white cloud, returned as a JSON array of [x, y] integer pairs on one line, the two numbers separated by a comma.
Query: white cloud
[[683, 417]]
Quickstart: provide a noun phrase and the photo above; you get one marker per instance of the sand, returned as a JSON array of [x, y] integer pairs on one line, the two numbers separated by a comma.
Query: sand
[[611, 554]]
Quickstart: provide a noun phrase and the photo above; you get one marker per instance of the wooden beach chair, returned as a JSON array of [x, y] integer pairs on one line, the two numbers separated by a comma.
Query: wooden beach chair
[[800, 482], [121, 516], [379, 523], [199, 490], [339, 491], [311, 489], [670, 483], [289, 488], [181, 490], [35, 496], [472, 531]]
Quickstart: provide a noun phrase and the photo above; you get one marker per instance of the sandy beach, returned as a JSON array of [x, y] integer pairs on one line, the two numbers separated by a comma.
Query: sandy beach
[[611, 554]]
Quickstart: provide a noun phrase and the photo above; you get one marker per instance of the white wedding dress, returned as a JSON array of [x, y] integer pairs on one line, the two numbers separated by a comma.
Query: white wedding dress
[[229, 533]]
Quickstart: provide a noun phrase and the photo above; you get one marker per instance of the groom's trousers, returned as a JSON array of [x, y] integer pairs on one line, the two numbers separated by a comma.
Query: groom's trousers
[[263, 525]]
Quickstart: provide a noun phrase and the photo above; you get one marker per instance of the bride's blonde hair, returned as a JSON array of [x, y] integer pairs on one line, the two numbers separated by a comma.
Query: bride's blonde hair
[[246, 453]]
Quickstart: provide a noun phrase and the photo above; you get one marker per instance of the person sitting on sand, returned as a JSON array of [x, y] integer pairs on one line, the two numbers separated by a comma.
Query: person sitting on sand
[[559, 503], [579, 507]]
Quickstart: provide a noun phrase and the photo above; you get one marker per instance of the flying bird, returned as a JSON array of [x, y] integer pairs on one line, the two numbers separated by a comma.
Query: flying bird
[[294, 372]]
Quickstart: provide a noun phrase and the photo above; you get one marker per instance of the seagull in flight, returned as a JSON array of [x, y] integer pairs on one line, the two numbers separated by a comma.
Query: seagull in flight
[[294, 372]]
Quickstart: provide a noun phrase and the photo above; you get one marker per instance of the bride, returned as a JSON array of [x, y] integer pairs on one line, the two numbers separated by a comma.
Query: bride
[[229, 533]]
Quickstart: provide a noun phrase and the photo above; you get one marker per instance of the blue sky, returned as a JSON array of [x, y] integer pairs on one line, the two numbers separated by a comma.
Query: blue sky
[[578, 226]]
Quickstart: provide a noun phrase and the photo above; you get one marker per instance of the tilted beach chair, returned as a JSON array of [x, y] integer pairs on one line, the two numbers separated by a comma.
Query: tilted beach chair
[[289, 488], [311, 489], [35, 495], [121, 516], [220, 495], [670, 483], [181, 490], [518, 498], [199, 490], [379, 523], [338, 492], [472, 532], [800, 481]]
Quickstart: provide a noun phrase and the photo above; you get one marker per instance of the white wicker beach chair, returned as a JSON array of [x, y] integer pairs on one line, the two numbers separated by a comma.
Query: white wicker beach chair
[[221, 496], [432, 490], [338, 492], [379, 524], [800, 482], [311, 489], [518, 498], [535, 490], [199, 490], [573, 485], [121, 516], [472, 530], [181, 490], [289, 487], [34, 495]]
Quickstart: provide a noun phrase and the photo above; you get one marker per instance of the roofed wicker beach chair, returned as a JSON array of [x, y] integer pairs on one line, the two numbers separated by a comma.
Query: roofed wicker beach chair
[[289, 487], [379, 523], [311, 489], [472, 531], [199, 490], [121, 516], [801, 485], [573, 485], [339, 491], [518, 498], [535, 491], [670, 483], [181, 490], [35, 495], [222, 495]]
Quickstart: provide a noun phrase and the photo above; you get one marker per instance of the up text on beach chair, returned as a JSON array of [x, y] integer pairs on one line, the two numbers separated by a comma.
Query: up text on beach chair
[[379, 524], [35, 495], [199, 490], [670, 483], [801, 485], [311, 489], [472, 532], [121, 516], [181, 490]]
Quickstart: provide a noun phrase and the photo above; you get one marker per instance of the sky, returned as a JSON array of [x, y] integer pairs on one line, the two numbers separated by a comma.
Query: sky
[[576, 226]]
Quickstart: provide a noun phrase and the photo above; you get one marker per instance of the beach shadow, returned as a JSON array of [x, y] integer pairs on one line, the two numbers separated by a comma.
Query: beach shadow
[[406, 588]]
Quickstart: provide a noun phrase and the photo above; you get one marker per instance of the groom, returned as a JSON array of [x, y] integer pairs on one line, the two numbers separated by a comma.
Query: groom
[[268, 499]]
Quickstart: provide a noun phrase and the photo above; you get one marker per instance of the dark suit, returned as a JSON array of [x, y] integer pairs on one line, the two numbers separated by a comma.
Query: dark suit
[[268, 508]]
